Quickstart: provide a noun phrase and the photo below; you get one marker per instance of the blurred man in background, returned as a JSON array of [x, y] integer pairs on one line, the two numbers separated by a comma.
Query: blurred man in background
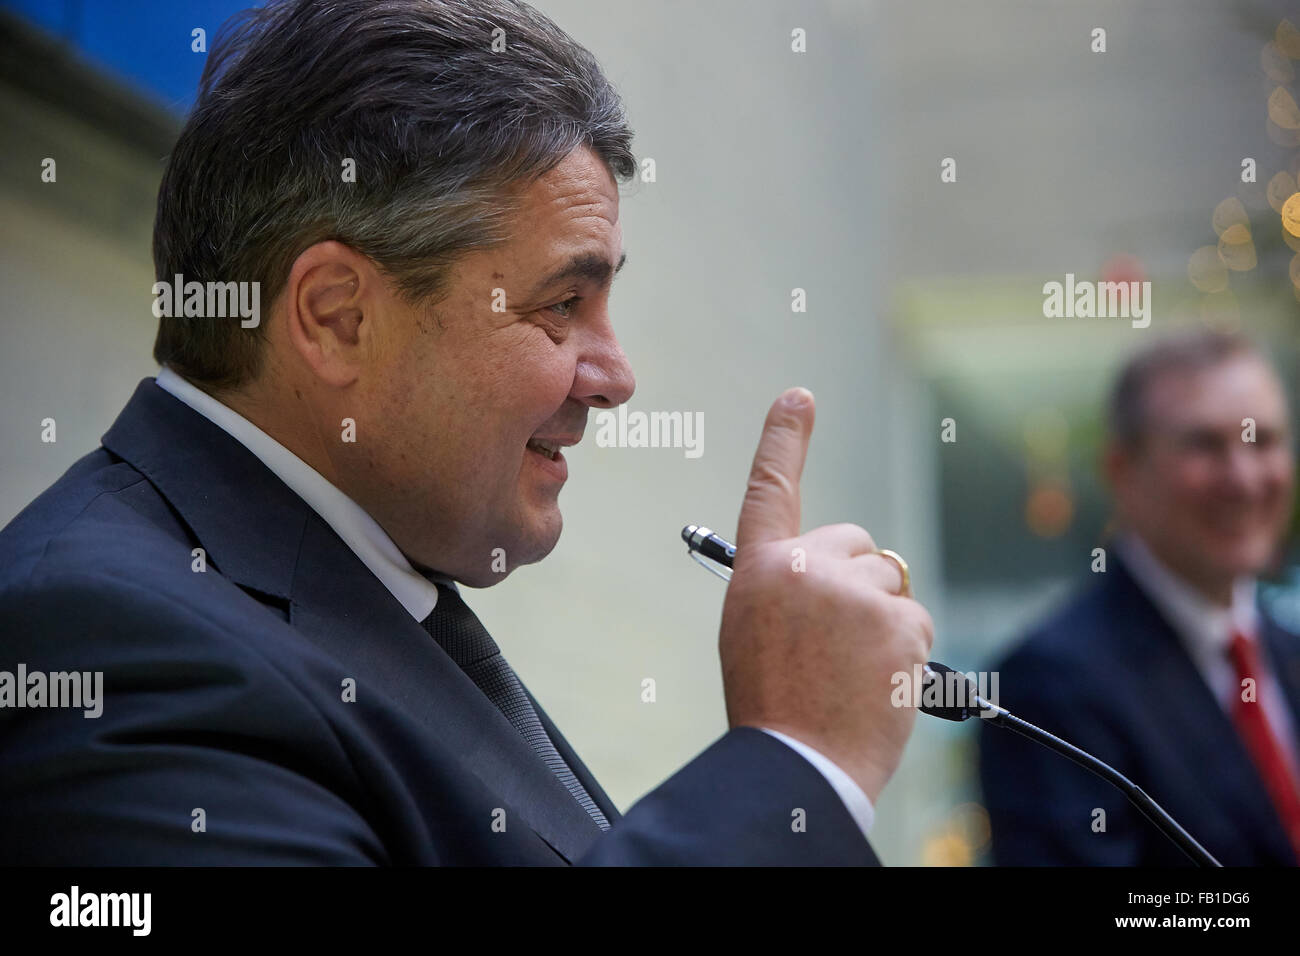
[[1164, 667]]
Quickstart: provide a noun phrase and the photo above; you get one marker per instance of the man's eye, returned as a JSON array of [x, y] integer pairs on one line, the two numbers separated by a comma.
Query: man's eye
[[1200, 442], [566, 307]]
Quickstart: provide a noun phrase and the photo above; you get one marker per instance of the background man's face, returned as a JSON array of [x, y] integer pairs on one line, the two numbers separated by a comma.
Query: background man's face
[[1211, 505], [463, 389]]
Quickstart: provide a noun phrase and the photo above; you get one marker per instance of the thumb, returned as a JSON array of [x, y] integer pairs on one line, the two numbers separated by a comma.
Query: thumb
[[771, 507]]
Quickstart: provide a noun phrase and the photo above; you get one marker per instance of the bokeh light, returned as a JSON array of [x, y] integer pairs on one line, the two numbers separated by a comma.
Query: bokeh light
[[1206, 270], [1049, 509], [1280, 188], [1237, 249]]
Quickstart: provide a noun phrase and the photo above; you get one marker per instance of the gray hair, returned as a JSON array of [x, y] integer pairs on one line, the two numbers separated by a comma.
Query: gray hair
[[442, 130]]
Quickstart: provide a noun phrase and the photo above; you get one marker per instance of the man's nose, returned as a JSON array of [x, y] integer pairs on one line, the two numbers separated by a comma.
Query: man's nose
[[604, 377]]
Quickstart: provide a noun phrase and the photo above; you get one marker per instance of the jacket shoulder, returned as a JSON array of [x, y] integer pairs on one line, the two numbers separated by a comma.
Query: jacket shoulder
[[101, 514], [1081, 638]]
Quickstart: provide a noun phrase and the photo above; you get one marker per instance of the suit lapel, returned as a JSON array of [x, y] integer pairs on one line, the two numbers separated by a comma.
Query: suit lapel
[[1179, 702], [1283, 651], [258, 533], [341, 606]]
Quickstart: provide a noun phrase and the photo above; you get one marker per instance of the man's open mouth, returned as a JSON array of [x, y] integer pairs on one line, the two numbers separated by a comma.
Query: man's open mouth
[[548, 449]]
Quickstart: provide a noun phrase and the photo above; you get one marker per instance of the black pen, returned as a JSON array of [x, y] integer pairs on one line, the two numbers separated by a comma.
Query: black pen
[[703, 543]]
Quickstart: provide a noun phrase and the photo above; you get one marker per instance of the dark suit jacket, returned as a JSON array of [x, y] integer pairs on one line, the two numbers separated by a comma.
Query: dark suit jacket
[[223, 691], [1108, 674]]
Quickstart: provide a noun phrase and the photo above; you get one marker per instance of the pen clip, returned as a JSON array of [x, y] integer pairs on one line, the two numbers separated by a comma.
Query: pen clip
[[720, 570]]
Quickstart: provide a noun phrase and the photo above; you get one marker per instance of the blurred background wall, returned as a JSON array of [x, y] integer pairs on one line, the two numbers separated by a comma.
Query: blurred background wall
[[775, 170]]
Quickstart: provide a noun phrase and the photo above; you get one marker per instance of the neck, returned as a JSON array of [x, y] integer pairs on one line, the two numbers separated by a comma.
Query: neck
[[1215, 588], [287, 415]]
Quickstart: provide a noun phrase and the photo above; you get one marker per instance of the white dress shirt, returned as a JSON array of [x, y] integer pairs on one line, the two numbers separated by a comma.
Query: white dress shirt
[[1206, 631], [376, 549]]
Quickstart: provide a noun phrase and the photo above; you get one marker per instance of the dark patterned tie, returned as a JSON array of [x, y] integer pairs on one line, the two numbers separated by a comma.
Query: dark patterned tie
[[460, 633]]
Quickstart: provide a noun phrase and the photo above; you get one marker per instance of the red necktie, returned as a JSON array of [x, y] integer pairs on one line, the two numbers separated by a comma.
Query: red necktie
[[1263, 745]]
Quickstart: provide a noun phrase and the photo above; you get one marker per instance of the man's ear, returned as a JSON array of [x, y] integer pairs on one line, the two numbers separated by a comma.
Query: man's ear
[[330, 300], [1118, 460]]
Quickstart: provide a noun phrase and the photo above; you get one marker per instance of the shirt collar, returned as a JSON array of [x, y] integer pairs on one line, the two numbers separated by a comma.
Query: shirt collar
[[359, 531], [1206, 628]]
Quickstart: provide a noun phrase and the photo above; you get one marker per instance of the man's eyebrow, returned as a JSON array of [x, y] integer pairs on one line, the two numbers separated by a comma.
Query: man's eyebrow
[[587, 265]]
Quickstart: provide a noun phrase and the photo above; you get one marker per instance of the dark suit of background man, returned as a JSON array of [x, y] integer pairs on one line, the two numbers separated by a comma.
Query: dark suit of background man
[[1164, 666], [290, 673]]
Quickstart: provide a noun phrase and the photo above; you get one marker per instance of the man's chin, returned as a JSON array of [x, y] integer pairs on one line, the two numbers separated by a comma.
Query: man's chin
[[536, 543], [1237, 558], [544, 540]]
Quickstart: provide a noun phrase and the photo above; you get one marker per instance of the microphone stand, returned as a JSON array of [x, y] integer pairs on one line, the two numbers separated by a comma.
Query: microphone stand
[[1001, 717]]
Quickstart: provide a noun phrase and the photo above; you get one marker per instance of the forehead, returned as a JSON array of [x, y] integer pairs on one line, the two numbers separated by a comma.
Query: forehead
[[1220, 395], [569, 213], [576, 200]]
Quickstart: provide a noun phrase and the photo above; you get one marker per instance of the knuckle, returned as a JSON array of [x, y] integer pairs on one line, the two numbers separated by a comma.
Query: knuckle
[[856, 532], [924, 624], [767, 477], [864, 534], [911, 627], [845, 531]]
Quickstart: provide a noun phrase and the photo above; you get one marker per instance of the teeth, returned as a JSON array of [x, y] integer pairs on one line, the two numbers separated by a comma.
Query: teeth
[[546, 448]]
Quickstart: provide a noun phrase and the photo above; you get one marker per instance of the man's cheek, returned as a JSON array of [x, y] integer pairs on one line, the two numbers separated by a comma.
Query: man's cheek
[[1278, 508]]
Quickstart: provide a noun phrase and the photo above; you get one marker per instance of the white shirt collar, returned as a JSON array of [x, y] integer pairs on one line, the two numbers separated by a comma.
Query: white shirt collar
[[1206, 628], [349, 520]]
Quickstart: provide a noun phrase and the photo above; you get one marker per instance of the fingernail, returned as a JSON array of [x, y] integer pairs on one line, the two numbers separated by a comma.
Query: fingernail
[[798, 398]]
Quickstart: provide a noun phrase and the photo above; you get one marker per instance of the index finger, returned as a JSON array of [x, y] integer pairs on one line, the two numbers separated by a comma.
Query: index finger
[[770, 510]]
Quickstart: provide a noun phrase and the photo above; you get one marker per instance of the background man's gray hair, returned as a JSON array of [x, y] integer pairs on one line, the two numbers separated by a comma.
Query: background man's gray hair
[[443, 130], [1182, 354]]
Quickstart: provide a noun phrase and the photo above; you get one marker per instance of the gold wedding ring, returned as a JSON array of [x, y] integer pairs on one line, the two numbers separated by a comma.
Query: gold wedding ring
[[906, 590]]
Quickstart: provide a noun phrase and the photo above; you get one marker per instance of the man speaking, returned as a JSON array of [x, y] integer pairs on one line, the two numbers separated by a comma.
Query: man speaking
[[262, 561]]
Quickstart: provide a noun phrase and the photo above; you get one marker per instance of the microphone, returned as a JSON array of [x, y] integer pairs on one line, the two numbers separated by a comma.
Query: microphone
[[959, 700]]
